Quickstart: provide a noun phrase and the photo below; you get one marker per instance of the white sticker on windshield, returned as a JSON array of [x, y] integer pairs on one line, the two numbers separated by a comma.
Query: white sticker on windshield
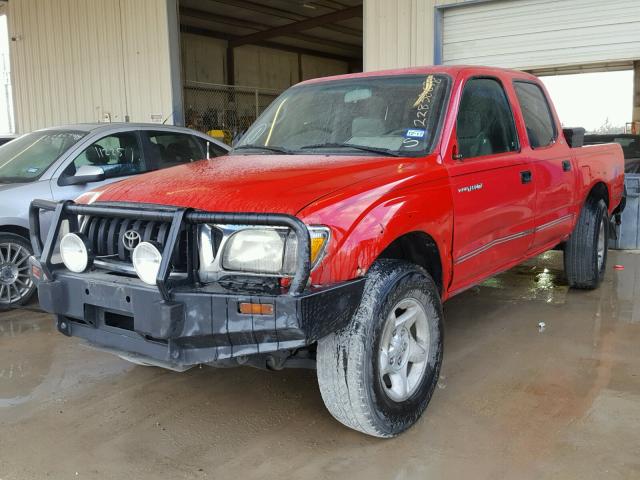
[[32, 170], [415, 133]]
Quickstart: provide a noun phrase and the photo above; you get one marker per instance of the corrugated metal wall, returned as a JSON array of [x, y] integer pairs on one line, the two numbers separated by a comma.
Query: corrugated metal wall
[[204, 60], [526, 34], [533, 34], [83, 60], [399, 33]]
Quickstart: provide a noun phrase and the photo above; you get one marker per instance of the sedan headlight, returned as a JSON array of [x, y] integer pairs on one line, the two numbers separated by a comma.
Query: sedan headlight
[[269, 250]]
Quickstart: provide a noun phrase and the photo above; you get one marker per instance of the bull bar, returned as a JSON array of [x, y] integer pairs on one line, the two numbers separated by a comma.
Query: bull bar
[[68, 210]]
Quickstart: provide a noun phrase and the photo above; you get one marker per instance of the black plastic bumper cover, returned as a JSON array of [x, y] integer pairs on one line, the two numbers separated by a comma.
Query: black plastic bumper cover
[[195, 326]]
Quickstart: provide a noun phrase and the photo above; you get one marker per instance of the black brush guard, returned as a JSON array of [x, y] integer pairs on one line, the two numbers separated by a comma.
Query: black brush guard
[[180, 322], [70, 211]]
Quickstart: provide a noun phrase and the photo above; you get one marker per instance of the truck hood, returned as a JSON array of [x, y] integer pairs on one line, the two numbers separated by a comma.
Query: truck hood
[[249, 183]]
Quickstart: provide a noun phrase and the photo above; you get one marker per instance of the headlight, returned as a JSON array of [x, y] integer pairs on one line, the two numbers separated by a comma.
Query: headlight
[[255, 250], [75, 252], [269, 250], [146, 260]]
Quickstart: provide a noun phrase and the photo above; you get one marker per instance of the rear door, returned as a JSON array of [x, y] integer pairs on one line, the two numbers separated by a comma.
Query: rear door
[[553, 166], [492, 184], [166, 148]]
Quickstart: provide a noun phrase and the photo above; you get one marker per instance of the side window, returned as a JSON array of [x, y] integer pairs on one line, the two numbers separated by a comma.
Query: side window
[[541, 128], [485, 121], [214, 149], [168, 149], [118, 155]]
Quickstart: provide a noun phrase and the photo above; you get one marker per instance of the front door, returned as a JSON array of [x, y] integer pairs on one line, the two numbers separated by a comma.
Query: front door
[[492, 183], [119, 155]]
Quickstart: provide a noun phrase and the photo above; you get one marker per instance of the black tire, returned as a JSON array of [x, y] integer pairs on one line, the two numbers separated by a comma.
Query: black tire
[[584, 264], [20, 290], [348, 361]]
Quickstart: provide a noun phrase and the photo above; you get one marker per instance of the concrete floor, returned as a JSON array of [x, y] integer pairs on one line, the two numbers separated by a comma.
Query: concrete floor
[[513, 402]]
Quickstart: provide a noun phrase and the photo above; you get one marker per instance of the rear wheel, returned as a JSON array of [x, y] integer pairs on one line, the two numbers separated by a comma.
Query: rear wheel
[[378, 374], [16, 287], [585, 254]]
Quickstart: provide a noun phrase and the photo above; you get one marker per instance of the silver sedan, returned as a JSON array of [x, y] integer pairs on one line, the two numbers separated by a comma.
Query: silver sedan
[[63, 162]]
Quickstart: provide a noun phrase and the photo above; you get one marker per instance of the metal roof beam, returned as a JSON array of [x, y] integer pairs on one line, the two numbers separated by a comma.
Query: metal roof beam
[[284, 14], [276, 46], [214, 17], [295, 27], [350, 49]]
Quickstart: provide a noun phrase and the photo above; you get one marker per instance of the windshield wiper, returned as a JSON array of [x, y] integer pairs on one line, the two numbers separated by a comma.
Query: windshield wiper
[[364, 148], [264, 147]]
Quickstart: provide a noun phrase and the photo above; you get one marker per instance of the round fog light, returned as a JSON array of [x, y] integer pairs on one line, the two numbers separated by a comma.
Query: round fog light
[[75, 252], [146, 260]]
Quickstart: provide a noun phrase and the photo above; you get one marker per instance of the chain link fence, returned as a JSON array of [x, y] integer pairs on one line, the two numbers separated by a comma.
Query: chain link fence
[[224, 110]]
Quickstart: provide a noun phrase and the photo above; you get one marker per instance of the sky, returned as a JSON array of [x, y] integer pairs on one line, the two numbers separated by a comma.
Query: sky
[[588, 99]]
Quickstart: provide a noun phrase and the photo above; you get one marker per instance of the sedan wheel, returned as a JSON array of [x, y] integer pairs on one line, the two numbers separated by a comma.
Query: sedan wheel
[[16, 286]]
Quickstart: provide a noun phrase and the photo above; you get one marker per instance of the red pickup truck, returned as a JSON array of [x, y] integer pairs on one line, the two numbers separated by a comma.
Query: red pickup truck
[[329, 238]]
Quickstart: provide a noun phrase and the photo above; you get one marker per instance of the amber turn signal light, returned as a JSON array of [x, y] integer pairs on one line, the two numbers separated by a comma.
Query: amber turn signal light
[[36, 272], [256, 308]]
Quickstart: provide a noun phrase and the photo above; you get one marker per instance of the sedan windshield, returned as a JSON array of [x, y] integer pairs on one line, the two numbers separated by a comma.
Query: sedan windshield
[[390, 115], [27, 157]]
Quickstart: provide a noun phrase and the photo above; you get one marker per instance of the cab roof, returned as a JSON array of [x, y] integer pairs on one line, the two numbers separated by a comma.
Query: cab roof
[[451, 70]]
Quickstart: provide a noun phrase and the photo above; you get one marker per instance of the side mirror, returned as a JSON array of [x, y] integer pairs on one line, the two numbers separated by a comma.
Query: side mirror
[[574, 136], [85, 174]]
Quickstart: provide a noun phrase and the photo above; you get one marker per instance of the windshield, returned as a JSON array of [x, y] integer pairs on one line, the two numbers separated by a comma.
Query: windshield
[[27, 157], [394, 115]]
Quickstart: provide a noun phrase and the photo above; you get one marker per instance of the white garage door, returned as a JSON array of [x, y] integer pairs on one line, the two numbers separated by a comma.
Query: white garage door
[[537, 34]]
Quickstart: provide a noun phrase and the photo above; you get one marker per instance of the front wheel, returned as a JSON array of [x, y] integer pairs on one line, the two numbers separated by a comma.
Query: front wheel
[[378, 374], [16, 287], [585, 254]]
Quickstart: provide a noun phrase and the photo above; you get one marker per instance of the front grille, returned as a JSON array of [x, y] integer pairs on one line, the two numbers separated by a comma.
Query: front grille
[[106, 237]]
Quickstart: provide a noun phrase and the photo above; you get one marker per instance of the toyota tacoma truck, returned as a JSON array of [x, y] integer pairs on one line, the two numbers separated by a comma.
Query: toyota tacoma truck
[[330, 236]]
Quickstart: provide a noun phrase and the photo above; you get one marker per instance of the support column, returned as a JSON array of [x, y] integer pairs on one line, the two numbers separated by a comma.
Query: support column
[[636, 98]]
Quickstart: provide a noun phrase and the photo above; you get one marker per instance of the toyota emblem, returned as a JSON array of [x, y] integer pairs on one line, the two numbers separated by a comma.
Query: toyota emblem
[[130, 239]]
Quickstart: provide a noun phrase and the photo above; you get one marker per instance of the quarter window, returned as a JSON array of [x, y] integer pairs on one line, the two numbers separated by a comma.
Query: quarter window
[[485, 121], [541, 128]]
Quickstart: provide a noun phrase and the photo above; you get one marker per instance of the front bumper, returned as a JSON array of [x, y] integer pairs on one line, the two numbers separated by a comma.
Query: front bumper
[[182, 322], [197, 326]]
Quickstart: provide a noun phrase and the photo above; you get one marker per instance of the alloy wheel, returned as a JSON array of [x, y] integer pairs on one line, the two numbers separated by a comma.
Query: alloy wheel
[[15, 283], [404, 350]]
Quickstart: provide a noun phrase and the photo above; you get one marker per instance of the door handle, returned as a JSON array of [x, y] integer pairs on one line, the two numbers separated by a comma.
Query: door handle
[[526, 176], [566, 166]]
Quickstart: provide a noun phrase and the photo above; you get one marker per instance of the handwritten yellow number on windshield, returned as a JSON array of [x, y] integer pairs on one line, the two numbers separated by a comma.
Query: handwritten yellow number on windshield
[[273, 123], [427, 86]]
